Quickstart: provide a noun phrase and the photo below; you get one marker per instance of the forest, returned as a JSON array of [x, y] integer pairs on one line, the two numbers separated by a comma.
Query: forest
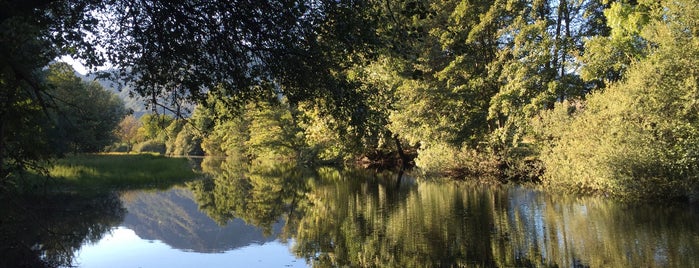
[[592, 97]]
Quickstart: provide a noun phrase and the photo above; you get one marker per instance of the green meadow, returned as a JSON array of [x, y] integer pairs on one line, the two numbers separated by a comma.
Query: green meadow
[[107, 172]]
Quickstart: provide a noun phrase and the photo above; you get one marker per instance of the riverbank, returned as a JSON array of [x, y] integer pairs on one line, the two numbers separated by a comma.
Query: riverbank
[[109, 172]]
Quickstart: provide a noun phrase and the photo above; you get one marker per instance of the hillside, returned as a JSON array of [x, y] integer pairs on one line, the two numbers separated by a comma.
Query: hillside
[[132, 101]]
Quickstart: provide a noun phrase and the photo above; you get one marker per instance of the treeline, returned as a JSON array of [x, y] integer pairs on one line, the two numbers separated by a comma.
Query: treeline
[[71, 116], [592, 97]]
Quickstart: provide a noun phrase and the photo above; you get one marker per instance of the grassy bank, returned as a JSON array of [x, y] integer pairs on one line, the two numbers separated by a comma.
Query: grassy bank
[[116, 172]]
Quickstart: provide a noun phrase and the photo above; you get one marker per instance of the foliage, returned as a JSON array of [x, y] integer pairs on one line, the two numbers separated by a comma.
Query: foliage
[[264, 130], [153, 132], [274, 129], [537, 66], [32, 34], [273, 132], [86, 114], [118, 148], [187, 142], [127, 131], [457, 163], [440, 93], [153, 127], [322, 134], [636, 139], [161, 133], [236, 50], [227, 138], [150, 146], [171, 132], [69, 116], [607, 58], [463, 83]]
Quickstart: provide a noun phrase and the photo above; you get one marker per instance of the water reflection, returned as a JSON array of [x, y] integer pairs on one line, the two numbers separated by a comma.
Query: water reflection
[[47, 230], [357, 218], [258, 194], [349, 217], [173, 218], [599, 233]]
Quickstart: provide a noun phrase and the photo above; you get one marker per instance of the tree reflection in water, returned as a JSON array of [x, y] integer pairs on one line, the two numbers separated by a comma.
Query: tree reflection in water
[[47, 230], [358, 218], [258, 194]]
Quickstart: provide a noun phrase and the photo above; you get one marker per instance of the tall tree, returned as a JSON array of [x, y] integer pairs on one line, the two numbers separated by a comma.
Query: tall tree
[[32, 34], [86, 114], [442, 51], [608, 56], [537, 65], [236, 49], [636, 139]]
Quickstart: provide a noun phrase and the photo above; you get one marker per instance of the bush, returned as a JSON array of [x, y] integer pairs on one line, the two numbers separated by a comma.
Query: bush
[[636, 140], [117, 148], [185, 142], [521, 164], [444, 159], [150, 146]]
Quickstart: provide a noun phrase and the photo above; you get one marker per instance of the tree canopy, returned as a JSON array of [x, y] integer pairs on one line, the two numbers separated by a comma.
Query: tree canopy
[[510, 87]]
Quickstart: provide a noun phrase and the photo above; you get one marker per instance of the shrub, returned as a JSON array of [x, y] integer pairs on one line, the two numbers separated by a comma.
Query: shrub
[[445, 159], [186, 143], [117, 148], [150, 146], [638, 139]]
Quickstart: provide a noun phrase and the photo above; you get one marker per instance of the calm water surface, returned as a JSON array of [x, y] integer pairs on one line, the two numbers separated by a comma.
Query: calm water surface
[[283, 216]]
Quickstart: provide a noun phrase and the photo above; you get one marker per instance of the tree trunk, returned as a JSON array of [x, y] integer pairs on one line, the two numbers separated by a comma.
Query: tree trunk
[[401, 153], [557, 41]]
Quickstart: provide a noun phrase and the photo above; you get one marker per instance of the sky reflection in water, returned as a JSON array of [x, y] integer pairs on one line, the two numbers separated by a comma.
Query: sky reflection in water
[[123, 248], [283, 216]]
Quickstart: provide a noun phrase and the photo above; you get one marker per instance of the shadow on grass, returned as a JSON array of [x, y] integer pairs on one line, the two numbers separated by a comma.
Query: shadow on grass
[[100, 173]]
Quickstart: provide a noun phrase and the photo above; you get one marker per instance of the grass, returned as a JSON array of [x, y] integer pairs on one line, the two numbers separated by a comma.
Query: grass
[[108, 172]]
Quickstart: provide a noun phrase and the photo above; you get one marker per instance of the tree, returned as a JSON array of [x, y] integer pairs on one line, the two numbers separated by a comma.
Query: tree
[[607, 57], [187, 142], [538, 65], [128, 131], [236, 49], [431, 75], [153, 127], [86, 114], [440, 93], [273, 133], [637, 139], [65, 115], [155, 131], [227, 139], [32, 34]]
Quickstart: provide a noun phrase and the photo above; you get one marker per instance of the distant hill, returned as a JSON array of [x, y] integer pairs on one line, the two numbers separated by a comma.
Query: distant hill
[[135, 103], [131, 102]]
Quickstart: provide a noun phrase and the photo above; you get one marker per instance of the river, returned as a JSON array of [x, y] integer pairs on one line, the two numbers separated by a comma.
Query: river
[[280, 215]]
